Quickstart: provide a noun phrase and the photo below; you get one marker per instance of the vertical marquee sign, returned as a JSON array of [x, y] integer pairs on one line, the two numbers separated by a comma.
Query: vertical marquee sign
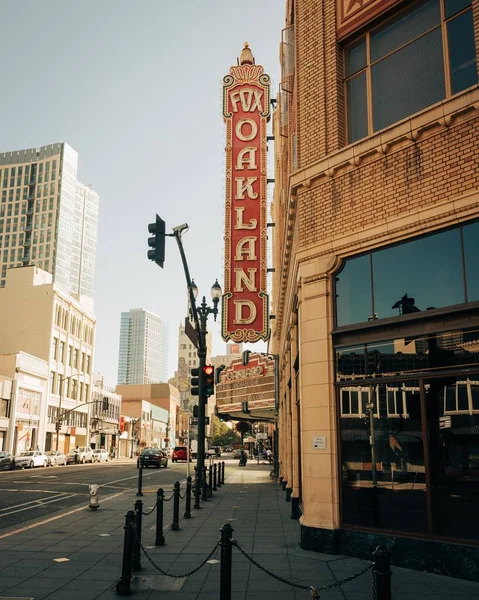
[[246, 109]]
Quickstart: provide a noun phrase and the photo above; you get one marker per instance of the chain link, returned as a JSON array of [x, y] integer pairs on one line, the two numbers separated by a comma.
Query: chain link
[[374, 585], [168, 499], [179, 576], [145, 514], [298, 585]]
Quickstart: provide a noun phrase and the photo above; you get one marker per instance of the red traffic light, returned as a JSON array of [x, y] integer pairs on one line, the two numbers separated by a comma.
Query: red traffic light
[[208, 370]]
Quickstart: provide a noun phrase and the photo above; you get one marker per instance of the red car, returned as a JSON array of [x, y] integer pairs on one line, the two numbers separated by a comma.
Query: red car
[[180, 453]]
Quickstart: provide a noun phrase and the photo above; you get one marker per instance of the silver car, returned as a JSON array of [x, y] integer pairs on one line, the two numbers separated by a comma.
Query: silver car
[[32, 458], [55, 457], [100, 455]]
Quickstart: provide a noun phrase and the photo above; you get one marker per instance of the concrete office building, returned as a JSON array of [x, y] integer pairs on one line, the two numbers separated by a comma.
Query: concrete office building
[[376, 292], [38, 318], [143, 356], [47, 217]]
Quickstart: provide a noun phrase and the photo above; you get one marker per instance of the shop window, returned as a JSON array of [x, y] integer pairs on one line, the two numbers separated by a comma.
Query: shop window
[[453, 438], [419, 275], [383, 472], [406, 66]]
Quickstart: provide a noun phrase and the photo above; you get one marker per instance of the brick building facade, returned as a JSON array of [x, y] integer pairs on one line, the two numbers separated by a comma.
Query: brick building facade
[[376, 242]]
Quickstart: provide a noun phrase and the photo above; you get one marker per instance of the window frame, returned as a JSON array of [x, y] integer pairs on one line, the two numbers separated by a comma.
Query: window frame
[[369, 65]]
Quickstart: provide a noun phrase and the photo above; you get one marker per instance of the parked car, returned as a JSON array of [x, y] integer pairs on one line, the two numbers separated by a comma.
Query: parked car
[[152, 457], [80, 455], [7, 461], [215, 451], [31, 458], [55, 457], [101, 455], [180, 453]]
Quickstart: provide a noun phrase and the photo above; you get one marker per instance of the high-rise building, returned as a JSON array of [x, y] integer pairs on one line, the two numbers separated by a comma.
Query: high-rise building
[[47, 217], [143, 356]]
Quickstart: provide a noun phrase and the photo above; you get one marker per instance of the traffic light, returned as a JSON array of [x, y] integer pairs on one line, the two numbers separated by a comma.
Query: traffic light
[[195, 382], [157, 242], [195, 411], [105, 403], [209, 380]]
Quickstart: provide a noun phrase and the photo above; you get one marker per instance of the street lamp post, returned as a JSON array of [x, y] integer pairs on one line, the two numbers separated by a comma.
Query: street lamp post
[[59, 419], [203, 311]]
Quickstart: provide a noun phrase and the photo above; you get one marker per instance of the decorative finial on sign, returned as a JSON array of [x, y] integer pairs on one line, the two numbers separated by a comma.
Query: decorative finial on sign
[[246, 57]]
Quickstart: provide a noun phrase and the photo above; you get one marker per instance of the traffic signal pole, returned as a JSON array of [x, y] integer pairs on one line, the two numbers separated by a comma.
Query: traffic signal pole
[[200, 317]]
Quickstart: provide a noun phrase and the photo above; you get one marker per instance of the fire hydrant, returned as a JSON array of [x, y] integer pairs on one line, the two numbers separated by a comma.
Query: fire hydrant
[[94, 504]]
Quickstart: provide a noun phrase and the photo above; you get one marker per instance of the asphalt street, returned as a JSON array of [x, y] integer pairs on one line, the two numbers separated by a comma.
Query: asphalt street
[[27, 494]]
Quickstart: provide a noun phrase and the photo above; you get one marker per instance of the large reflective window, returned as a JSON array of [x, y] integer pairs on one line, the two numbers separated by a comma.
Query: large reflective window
[[470, 235], [452, 407], [422, 274], [408, 356], [353, 291], [383, 472]]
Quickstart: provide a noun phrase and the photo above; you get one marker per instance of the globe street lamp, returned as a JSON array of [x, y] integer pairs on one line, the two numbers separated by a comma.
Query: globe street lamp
[[203, 311]]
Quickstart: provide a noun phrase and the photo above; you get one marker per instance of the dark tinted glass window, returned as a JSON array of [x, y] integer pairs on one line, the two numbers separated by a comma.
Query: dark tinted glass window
[[389, 493], [357, 107], [470, 235], [425, 273], [462, 52], [408, 80], [405, 28], [455, 6], [453, 458], [356, 57], [353, 291]]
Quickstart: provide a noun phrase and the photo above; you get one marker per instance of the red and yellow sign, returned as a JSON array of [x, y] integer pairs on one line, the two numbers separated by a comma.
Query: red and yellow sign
[[246, 109]]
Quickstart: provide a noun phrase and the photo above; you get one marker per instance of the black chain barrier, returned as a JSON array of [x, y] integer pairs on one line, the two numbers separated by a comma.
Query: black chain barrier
[[314, 590], [174, 575], [146, 514]]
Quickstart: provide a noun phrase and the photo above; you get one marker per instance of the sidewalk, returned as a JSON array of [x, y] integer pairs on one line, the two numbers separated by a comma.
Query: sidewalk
[[89, 545]]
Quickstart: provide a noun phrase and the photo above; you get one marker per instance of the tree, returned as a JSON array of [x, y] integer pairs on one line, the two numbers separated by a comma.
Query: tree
[[242, 427], [222, 435]]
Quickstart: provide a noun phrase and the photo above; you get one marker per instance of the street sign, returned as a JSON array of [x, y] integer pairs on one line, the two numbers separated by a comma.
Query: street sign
[[191, 333], [194, 421]]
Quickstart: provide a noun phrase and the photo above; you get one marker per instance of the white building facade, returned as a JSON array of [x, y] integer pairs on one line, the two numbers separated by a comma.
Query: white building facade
[[105, 416], [143, 356], [38, 318]]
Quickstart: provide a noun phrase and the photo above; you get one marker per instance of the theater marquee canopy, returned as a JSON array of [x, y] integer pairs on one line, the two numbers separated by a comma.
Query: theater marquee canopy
[[247, 391], [246, 109]]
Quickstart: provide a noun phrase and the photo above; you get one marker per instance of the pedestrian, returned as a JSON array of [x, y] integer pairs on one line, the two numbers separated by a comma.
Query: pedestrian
[[269, 454]]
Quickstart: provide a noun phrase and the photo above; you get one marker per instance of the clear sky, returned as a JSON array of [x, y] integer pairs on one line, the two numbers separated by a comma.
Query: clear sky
[[134, 86]]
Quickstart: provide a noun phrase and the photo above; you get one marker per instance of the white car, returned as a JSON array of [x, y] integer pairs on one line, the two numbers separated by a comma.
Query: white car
[[101, 456], [32, 458], [55, 457]]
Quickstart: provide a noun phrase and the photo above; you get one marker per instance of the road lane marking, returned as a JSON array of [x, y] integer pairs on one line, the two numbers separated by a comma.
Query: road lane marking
[[37, 503], [56, 495], [49, 520]]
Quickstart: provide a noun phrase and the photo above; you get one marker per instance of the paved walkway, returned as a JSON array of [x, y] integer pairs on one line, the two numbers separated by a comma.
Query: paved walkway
[[79, 555]]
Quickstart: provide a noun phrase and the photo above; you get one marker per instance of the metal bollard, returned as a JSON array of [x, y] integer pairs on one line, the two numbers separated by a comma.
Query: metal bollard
[[215, 477], [223, 474], [210, 480], [187, 514], [175, 526], [226, 545], [140, 479], [159, 538], [136, 555], [123, 586], [204, 496], [382, 573], [197, 488]]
